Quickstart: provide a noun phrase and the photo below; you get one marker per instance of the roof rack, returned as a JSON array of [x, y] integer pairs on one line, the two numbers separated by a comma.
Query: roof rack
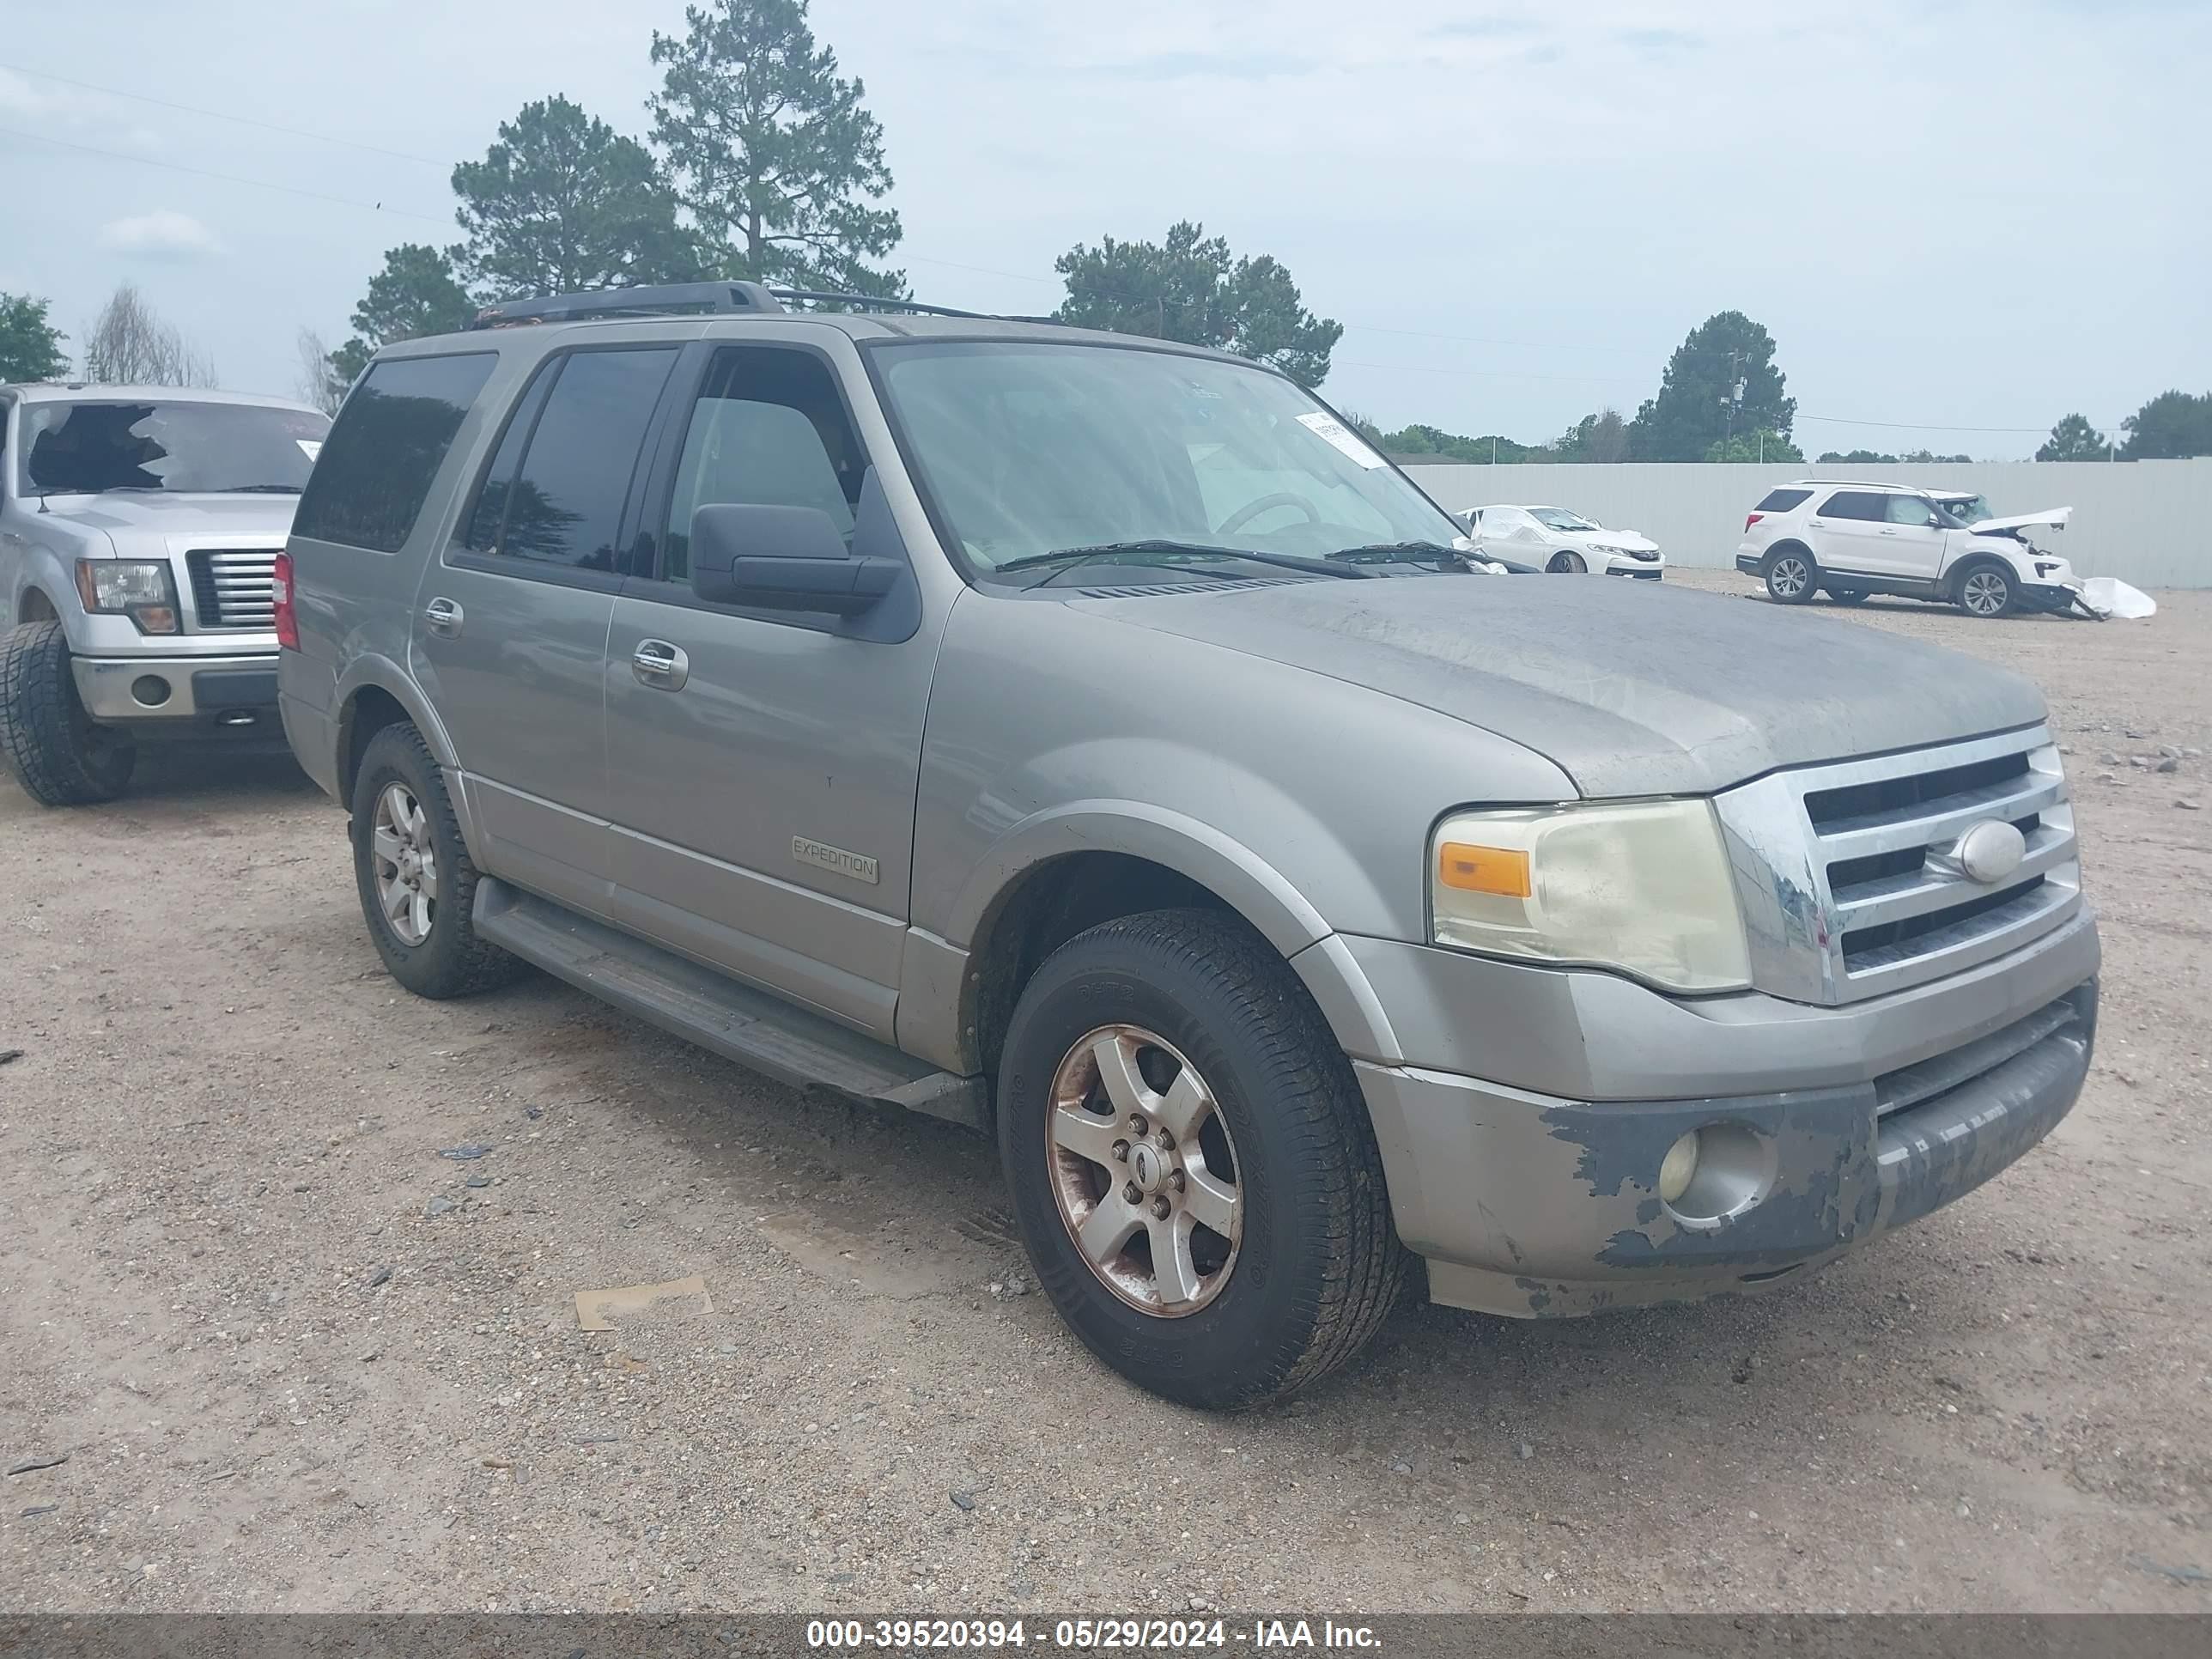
[[657, 299], [877, 302]]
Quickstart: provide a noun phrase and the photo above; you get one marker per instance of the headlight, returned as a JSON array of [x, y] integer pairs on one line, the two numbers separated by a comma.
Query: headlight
[[140, 589], [1643, 886], [1606, 547]]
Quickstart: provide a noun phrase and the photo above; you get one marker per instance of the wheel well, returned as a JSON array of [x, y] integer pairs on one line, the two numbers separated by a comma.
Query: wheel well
[[36, 607], [1049, 905], [367, 712], [1954, 579], [1791, 547]]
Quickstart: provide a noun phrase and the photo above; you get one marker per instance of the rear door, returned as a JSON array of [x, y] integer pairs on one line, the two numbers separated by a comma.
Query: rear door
[[763, 763], [510, 628], [1846, 531]]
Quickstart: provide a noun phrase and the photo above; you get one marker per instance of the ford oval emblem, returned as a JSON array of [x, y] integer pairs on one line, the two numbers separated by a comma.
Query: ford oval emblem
[[1990, 851]]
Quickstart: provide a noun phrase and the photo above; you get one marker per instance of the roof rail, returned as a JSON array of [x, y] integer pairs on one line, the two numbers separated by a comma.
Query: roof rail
[[877, 302], [656, 300]]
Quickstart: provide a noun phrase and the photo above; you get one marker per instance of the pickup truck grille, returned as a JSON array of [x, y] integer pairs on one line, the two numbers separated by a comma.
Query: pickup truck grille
[[231, 588], [1877, 899]]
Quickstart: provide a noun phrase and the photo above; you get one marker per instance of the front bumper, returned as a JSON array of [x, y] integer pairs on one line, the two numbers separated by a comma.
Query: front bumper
[[1623, 564], [224, 695], [1833, 1124]]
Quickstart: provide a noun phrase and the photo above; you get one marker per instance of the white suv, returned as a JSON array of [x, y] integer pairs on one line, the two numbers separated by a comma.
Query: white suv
[[1849, 539]]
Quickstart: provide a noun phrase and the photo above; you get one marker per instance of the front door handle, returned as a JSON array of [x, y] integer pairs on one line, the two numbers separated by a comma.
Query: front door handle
[[442, 617], [1889, 532], [658, 663]]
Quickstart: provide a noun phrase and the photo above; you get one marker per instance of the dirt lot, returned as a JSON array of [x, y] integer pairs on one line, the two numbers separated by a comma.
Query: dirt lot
[[298, 1360]]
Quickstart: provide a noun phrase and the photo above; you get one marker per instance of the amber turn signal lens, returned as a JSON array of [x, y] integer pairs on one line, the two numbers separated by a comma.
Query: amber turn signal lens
[[1500, 869]]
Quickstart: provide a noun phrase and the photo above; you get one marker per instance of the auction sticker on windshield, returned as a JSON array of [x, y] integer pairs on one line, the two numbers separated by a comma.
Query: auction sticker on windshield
[[1327, 427]]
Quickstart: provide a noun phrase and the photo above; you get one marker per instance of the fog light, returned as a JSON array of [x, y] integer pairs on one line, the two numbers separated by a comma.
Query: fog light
[[1677, 1168], [150, 690]]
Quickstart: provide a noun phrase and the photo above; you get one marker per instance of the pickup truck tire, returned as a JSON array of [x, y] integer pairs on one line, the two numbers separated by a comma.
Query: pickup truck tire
[[1988, 590], [1218, 1032], [401, 812], [1792, 576], [58, 754]]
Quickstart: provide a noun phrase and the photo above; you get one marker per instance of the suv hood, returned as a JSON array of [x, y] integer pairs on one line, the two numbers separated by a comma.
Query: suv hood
[[1629, 688], [153, 514], [2055, 517]]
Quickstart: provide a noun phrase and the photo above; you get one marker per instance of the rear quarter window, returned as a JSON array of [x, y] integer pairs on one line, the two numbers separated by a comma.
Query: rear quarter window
[[377, 466], [1781, 501]]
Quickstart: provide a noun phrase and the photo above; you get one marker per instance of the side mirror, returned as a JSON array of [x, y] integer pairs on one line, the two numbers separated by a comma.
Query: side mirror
[[1934, 521], [785, 558]]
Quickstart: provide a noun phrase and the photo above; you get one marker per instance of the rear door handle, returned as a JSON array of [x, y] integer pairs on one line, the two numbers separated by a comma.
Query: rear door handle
[[442, 617], [658, 663]]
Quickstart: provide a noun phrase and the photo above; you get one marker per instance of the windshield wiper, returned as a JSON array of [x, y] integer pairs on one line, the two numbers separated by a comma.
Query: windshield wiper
[[1069, 557], [1401, 553]]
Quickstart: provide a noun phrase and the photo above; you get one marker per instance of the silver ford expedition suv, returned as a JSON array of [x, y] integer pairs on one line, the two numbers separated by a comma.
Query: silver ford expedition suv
[[139, 526], [1093, 741]]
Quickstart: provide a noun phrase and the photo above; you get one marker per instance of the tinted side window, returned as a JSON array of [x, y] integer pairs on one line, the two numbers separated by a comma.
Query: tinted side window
[[1854, 504], [483, 526], [768, 428], [1781, 501], [565, 505], [376, 467]]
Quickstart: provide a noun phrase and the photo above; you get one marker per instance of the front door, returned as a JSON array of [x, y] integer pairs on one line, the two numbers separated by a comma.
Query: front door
[[763, 763], [511, 626], [1910, 540]]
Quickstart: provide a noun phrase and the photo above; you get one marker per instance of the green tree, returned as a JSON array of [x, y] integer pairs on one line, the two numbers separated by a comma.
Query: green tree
[[416, 294], [1759, 445], [1186, 289], [1696, 405], [563, 203], [1418, 440], [2075, 440], [30, 346], [774, 157], [2172, 425], [1599, 439]]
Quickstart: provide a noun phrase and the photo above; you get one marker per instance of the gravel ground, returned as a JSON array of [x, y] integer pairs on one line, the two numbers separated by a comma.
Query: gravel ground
[[298, 1360]]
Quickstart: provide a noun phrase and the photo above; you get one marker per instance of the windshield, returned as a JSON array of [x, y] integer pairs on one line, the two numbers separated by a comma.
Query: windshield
[[1557, 518], [1026, 449], [1966, 509], [172, 446]]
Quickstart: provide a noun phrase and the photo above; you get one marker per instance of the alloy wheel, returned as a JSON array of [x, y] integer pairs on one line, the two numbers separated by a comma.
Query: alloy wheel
[[1144, 1172], [1790, 578], [1986, 592], [405, 862]]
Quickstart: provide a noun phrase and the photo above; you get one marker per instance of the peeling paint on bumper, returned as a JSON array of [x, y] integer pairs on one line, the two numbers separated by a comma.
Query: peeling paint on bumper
[[1532, 1207]]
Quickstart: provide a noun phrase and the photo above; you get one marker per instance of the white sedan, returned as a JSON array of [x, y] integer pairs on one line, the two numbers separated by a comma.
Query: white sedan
[[1554, 539]]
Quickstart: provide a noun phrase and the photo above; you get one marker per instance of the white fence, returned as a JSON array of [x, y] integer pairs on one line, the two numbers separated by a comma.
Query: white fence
[[2145, 522]]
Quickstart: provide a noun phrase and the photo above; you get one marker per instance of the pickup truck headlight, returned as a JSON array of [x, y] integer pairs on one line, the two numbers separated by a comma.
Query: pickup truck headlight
[[1641, 886], [141, 589]]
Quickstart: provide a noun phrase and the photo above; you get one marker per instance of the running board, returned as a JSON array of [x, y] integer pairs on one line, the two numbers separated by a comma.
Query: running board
[[755, 1029]]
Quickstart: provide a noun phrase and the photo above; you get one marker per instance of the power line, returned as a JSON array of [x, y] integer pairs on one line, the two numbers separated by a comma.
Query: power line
[[223, 115], [227, 178], [1914, 426]]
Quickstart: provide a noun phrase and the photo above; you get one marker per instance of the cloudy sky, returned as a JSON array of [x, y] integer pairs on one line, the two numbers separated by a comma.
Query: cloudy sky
[[1952, 214]]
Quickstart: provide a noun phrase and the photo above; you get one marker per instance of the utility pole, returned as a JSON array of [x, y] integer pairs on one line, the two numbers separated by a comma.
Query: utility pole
[[1493, 449]]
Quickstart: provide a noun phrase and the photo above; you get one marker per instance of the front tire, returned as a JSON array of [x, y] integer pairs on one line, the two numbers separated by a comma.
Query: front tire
[[1175, 1057], [1568, 564], [1792, 578], [412, 869], [1988, 591], [57, 753]]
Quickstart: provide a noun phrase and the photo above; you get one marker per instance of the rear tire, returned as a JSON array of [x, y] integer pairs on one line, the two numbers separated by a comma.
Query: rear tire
[[1280, 1258], [412, 869], [1987, 592], [1568, 564], [57, 751], [1792, 577]]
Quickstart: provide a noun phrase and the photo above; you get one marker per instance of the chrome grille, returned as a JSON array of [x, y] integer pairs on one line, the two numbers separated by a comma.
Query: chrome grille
[[1850, 874], [231, 587]]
